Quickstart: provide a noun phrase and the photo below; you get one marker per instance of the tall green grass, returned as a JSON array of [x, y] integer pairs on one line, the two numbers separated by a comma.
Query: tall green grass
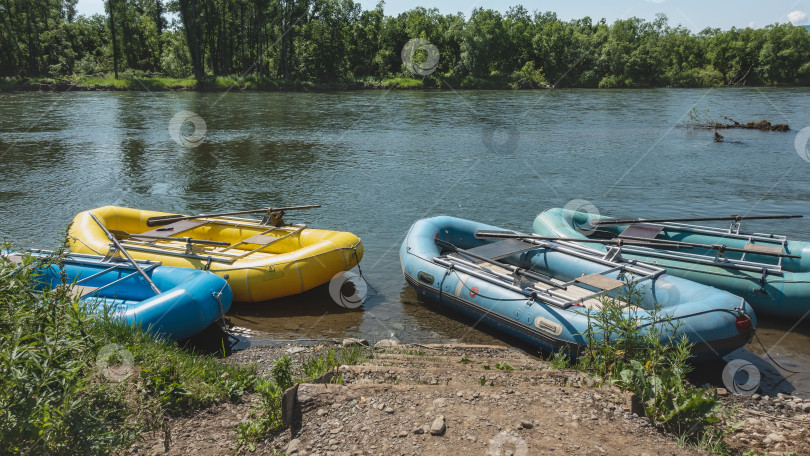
[[76, 382], [54, 395]]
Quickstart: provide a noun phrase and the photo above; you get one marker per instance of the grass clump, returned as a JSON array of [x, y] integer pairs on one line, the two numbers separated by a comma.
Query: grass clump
[[504, 366], [649, 356], [266, 420], [401, 83]]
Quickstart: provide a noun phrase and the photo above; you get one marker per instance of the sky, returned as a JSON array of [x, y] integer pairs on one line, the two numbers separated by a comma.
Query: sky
[[693, 14]]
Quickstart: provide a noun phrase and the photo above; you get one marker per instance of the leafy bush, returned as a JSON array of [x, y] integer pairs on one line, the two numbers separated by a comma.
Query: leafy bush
[[610, 82], [528, 77]]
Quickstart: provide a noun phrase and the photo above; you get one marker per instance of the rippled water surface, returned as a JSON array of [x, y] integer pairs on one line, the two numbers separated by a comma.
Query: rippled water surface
[[379, 160]]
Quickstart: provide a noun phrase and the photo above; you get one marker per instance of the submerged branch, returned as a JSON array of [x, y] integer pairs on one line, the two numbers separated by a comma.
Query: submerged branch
[[701, 120]]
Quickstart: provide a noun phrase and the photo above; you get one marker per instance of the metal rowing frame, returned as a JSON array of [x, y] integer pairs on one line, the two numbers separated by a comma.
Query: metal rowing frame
[[549, 295], [115, 262], [719, 258], [212, 255]]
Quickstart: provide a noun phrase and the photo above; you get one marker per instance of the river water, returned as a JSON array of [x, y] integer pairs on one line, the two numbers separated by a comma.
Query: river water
[[378, 160]]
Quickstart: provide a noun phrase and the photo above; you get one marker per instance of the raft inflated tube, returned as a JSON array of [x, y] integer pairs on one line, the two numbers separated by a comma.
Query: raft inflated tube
[[189, 301], [296, 259], [716, 322], [784, 294]]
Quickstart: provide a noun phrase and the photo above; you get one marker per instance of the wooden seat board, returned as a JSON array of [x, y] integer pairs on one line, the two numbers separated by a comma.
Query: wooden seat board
[[15, 259], [761, 248], [642, 230], [601, 282], [79, 291], [260, 239]]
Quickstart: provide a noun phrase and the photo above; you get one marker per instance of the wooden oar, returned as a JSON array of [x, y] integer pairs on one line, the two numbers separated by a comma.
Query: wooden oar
[[720, 247], [487, 234], [123, 236], [126, 254], [735, 218], [165, 219]]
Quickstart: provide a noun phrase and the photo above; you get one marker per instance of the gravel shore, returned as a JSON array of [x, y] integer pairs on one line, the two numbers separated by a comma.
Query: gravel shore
[[489, 400]]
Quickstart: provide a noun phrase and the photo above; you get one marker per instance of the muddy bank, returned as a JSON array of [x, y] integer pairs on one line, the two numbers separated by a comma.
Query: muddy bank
[[444, 399]]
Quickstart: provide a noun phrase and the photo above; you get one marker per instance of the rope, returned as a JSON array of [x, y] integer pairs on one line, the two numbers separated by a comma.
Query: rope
[[360, 271], [221, 318], [767, 353], [441, 285], [84, 244]]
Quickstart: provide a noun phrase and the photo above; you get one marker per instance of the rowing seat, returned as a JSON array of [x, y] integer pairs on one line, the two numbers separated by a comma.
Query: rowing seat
[[79, 291], [501, 249], [260, 239], [759, 248], [600, 282], [642, 230], [577, 292], [178, 227], [14, 259]]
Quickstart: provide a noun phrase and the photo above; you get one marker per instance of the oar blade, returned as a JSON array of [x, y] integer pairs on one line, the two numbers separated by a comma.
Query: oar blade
[[163, 219]]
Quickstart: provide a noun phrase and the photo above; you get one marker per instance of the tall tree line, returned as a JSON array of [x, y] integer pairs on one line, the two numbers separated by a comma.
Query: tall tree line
[[336, 40]]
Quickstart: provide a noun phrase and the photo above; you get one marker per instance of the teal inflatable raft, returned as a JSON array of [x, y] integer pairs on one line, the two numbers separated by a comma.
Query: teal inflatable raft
[[769, 271], [546, 293], [188, 301]]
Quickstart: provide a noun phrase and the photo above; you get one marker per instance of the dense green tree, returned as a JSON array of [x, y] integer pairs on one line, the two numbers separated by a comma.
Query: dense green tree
[[335, 40]]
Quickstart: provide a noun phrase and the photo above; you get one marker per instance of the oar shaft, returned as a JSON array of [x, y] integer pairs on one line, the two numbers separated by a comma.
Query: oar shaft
[[164, 219], [735, 218], [515, 270], [126, 254], [126, 235], [483, 234], [722, 247]]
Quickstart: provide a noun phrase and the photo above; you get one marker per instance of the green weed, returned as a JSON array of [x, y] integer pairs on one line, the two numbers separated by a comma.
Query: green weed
[[649, 357]]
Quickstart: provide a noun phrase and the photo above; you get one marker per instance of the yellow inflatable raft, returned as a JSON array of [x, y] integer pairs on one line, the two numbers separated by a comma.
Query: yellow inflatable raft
[[262, 261]]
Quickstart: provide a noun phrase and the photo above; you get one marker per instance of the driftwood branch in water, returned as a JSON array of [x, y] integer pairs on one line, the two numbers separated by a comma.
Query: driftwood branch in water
[[763, 125]]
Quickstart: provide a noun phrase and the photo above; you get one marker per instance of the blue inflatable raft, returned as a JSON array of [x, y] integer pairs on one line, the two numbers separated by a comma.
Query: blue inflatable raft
[[542, 292], [189, 300], [769, 271]]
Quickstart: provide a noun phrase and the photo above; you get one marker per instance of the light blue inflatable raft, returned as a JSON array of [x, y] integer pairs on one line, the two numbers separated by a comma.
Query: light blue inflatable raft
[[541, 291], [189, 300], [767, 270]]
